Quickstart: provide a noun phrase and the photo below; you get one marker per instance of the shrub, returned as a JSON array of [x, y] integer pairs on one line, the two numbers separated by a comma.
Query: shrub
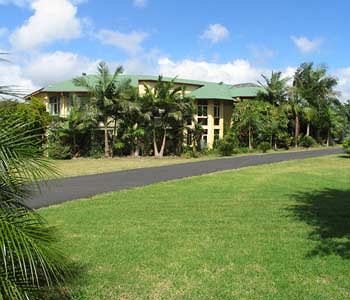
[[346, 145], [59, 151], [264, 146], [226, 146], [307, 141]]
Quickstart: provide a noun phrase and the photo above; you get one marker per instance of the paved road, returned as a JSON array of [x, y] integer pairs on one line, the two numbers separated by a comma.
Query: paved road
[[61, 190]]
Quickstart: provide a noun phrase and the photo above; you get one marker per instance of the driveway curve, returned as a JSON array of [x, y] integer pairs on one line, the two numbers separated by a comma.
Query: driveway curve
[[60, 190]]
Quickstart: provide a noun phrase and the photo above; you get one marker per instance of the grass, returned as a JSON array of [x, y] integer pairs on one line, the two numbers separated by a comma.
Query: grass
[[279, 231], [87, 166]]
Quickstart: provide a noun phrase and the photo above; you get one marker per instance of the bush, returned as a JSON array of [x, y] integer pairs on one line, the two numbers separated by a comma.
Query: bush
[[227, 145], [59, 151], [264, 146], [307, 141], [346, 145]]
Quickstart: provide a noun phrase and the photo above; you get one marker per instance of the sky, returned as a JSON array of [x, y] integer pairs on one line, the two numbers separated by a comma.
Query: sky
[[233, 41]]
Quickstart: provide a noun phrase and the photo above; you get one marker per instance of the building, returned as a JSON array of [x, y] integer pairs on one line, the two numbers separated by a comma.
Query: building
[[214, 101]]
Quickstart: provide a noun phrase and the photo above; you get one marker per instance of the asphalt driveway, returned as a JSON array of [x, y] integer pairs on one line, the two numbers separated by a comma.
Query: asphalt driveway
[[61, 190]]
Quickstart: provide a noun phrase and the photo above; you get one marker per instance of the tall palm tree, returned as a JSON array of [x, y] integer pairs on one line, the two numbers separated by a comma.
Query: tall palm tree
[[309, 115], [103, 89], [316, 88], [274, 89], [166, 103]]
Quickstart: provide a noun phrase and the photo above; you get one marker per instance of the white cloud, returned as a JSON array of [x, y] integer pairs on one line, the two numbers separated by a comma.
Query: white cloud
[[237, 71], [129, 42], [13, 75], [306, 45], [47, 68], [215, 33], [343, 75], [140, 3], [52, 20]]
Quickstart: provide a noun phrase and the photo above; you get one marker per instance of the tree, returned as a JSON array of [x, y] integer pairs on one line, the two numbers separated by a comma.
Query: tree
[[316, 89], [80, 120], [309, 114], [29, 257], [274, 89], [295, 107], [103, 90], [246, 119], [166, 104]]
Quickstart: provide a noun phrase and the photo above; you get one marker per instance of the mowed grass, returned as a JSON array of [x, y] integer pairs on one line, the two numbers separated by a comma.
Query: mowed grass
[[87, 166], [279, 231]]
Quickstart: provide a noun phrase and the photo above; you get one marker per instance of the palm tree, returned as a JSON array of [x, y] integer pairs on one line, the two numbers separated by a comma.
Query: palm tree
[[102, 89], [165, 103], [80, 119], [295, 107], [316, 88], [309, 115], [274, 89], [29, 259]]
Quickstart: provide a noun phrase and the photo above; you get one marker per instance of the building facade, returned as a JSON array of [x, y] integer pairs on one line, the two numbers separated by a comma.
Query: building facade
[[214, 101]]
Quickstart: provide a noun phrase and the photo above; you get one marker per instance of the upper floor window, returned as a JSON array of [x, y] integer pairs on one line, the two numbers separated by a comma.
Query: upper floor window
[[216, 113], [202, 112], [54, 105]]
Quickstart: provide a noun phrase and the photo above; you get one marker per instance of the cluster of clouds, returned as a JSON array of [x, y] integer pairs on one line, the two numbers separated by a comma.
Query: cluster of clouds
[[58, 20]]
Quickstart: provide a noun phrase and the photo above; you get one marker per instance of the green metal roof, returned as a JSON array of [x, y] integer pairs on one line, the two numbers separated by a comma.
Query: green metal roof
[[206, 90], [212, 91]]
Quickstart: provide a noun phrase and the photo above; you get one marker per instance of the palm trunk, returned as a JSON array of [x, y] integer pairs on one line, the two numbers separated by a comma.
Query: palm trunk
[[249, 138], [74, 144], [156, 153], [328, 137], [297, 130], [308, 129], [161, 152], [114, 138], [106, 140]]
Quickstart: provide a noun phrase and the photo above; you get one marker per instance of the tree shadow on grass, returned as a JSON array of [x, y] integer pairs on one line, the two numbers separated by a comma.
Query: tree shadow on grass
[[65, 290], [328, 212]]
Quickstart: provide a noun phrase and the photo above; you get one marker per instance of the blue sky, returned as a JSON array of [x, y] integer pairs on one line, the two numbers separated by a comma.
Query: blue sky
[[231, 41]]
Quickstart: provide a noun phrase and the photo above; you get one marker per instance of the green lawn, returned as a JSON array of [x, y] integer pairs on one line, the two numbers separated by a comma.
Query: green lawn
[[86, 166], [278, 231]]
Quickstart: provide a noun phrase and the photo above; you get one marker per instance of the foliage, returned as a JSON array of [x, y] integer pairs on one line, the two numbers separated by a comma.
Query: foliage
[[29, 258], [59, 151], [32, 115], [346, 145], [226, 145], [274, 89], [264, 146], [307, 141], [168, 108], [104, 93]]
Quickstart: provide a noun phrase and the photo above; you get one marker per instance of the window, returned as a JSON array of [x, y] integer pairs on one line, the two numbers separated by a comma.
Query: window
[[216, 113], [202, 112], [204, 139], [54, 105]]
